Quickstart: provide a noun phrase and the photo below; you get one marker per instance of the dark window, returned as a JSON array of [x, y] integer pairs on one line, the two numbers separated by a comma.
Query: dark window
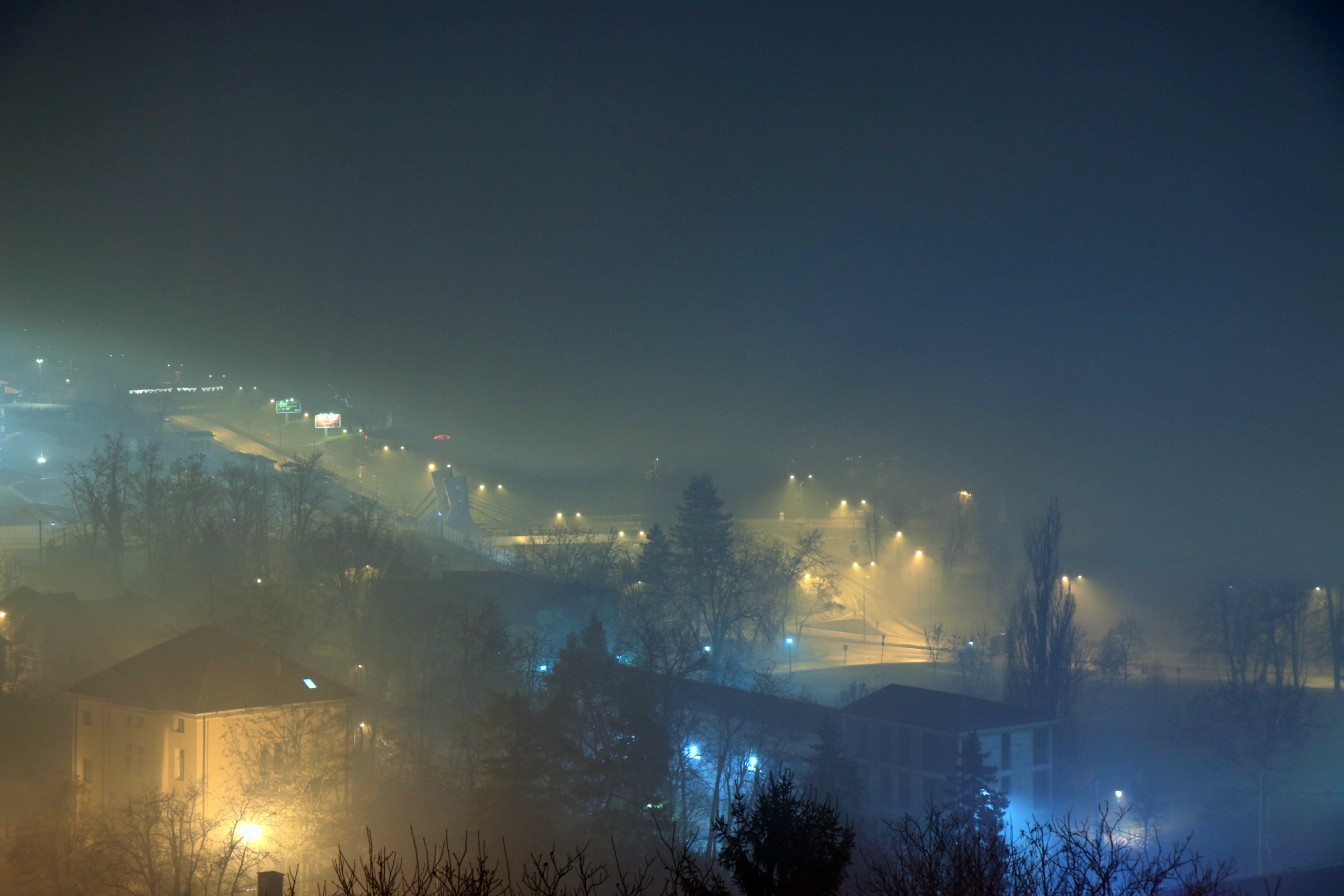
[[940, 752], [906, 797], [885, 795], [1005, 751], [180, 764], [87, 777], [904, 751], [1040, 746], [86, 717], [179, 725], [1040, 789], [1006, 784], [884, 744]]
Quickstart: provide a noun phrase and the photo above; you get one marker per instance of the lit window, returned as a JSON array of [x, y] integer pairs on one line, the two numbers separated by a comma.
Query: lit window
[[309, 683], [86, 717]]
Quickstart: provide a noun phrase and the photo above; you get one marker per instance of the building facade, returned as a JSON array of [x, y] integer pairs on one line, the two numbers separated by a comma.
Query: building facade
[[906, 741], [208, 714]]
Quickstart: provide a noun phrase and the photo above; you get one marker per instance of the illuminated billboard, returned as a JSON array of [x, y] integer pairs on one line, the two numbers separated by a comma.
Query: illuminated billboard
[[326, 421], [287, 406]]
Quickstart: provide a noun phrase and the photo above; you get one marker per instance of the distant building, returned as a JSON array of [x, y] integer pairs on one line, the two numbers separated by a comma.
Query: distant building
[[214, 714], [905, 741]]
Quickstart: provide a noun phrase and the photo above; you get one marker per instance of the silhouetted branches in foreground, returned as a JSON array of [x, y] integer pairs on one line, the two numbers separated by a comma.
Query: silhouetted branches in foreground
[[1102, 856]]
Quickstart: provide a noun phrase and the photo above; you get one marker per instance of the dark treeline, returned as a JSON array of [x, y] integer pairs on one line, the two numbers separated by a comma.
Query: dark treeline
[[628, 734]]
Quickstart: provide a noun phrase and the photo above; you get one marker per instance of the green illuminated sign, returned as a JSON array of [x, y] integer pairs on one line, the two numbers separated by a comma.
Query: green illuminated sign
[[287, 406]]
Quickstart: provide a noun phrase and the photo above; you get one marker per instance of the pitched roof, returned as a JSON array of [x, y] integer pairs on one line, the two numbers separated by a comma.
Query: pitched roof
[[208, 670], [940, 710]]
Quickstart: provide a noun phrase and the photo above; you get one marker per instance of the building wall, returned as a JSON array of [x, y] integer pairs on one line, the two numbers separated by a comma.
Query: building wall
[[120, 752], [903, 769]]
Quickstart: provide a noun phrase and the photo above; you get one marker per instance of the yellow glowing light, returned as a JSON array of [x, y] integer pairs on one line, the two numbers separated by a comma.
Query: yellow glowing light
[[918, 553], [249, 831], [432, 468]]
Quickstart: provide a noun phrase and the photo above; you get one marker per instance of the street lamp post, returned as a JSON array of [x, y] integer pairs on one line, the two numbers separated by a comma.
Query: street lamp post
[[863, 583]]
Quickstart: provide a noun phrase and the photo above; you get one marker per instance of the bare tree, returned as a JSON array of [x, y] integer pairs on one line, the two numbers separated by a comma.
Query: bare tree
[[291, 771], [572, 554], [936, 644], [357, 548], [191, 539], [1045, 661], [48, 851], [734, 592], [161, 844], [973, 655], [1258, 713], [1333, 631], [148, 490], [1121, 647], [100, 490], [305, 491], [935, 854], [246, 502]]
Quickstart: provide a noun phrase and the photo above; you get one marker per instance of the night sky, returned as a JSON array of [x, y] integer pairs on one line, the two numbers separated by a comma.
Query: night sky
[[1093, 250]]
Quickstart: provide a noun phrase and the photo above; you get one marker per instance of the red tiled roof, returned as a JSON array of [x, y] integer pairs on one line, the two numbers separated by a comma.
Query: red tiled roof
[[208, 670]]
